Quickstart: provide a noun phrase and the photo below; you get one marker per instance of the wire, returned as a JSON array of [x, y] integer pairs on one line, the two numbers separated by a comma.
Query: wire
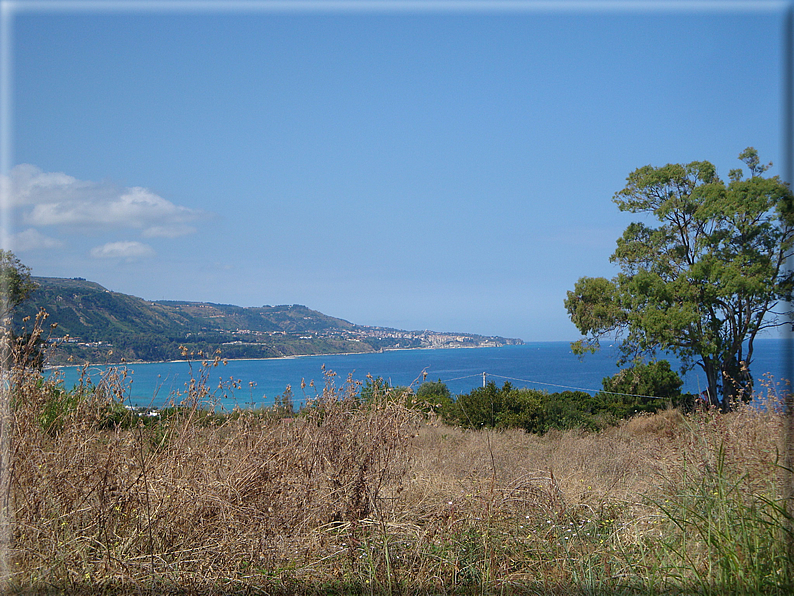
[[459, 378], [558, 385]]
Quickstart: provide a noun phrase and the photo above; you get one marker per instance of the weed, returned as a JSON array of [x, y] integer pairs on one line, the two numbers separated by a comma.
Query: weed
[[366, 496]]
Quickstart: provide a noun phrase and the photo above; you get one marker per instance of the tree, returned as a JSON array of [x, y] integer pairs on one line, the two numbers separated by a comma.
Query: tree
[[479, 408], [15, 286], [532, 410], [434, 396], [704, 282], [15, 283], [640, 388]]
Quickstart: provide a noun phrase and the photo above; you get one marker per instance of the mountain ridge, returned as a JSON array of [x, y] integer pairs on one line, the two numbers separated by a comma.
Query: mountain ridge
[[95, 324]]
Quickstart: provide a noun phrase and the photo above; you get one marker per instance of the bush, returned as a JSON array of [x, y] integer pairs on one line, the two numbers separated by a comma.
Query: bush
[[529, 409], [522, 408], [434, 396], [641, 388], [57, 405], [575, 409], [376, 391], [479, 408]]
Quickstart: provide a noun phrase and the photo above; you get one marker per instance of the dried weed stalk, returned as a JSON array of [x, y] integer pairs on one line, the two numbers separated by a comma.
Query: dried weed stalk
[[359, 496], [192, 499]]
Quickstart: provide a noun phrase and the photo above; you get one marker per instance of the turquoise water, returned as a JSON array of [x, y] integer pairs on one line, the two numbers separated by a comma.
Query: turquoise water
[[540, 365]]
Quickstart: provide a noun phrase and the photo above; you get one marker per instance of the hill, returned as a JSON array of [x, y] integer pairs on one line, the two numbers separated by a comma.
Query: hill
[[105, 326]]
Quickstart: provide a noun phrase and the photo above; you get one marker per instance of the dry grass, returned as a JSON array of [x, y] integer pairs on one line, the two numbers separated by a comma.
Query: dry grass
[[353, 499]]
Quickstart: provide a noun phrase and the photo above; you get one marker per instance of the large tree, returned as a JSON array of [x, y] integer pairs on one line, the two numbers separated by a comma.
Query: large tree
[[703, 282], [15, 283], [15, 287]]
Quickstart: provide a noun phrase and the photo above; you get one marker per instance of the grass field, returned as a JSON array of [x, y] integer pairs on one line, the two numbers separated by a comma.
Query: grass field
[[377, 500]]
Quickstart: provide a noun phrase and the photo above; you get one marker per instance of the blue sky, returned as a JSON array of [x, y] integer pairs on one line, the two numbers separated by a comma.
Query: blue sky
[[449, 170]]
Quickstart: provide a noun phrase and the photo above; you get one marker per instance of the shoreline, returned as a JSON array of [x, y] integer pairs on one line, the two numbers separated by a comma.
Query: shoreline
[[526, 364], [287, 357], [297, 356]]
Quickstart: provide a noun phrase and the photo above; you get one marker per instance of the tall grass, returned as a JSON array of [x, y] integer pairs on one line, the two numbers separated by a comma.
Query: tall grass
[[371, 498]]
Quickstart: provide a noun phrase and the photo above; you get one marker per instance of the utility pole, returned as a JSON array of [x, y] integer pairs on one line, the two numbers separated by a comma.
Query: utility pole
[[483, 380]]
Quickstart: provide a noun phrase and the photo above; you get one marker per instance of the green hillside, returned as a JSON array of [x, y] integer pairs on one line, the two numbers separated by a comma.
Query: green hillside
[[88, 311], [107, 326], [95, 324]]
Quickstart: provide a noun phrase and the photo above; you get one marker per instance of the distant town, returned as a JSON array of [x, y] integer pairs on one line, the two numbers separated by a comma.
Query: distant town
[[399, 339]]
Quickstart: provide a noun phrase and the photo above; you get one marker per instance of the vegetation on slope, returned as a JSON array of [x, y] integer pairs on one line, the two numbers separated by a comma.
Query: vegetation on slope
[[105, 326]]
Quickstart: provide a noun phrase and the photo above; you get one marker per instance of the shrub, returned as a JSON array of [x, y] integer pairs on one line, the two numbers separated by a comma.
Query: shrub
[[479, 408], [529, 409], [641, 388], [434, 396]]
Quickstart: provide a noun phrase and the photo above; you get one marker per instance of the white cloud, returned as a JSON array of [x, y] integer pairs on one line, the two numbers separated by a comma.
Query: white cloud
[[123, 250], [32, 239], [56, 199], [168, 231], [28, 185]]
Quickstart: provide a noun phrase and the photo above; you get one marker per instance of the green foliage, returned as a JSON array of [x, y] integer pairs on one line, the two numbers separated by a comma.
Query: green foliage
[[376, 390], [528, 409], [539, 411], [479, 408], [284, 404], [119, 416], [137, 329], [725, 537], [91, 404], [634, 388], [23, 347], [373, 389], [433, 396], [58, 404], [15, 283], [597, 308], [522, 408], [575, 409], [705, 281]]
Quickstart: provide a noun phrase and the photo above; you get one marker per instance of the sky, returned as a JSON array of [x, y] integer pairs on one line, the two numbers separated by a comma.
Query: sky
[[449, 169]]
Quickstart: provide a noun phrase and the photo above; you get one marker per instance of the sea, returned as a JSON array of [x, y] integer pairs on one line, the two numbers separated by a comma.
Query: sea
[[550, 366]]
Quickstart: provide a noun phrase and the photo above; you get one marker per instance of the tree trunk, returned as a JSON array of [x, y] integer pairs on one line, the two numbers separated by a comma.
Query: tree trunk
[[737, 383], [712, 377]]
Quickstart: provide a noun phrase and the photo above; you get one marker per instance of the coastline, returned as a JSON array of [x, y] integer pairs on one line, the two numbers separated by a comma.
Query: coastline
[[542, 365], [287, 357]]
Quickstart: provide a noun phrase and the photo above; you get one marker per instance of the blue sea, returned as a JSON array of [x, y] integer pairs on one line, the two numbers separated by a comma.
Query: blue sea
[[549, 366]]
